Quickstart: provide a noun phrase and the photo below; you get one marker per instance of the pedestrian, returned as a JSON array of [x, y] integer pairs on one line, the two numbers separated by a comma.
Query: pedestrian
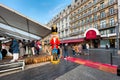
[[33, 47], [4, 51], [24, 44], [73, 50], [28, 48], [15, 50], [38, 46], [65, 50], [87, 49], [76, 49], [80, 49], [106, 46], [21, 49], [60, 51], [59, 54]]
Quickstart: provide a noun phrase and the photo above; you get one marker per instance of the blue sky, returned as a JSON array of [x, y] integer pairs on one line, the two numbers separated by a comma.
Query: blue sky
[[40, 10]]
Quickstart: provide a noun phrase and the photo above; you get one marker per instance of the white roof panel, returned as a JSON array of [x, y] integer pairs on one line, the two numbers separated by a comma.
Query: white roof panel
[[16, 20]]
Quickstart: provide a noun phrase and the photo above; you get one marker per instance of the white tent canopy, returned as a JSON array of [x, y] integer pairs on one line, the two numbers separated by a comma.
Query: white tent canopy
[[22, 26]]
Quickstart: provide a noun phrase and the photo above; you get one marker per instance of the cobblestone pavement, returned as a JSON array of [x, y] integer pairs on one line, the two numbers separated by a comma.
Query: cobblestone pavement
[[63, 71], [100, 55], [86, 73]]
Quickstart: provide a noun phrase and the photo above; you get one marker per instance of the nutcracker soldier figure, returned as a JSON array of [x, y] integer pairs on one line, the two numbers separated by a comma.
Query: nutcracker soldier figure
[[54, 45]]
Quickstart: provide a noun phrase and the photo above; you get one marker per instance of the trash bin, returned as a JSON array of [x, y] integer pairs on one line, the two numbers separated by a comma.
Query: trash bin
[[118, 70]]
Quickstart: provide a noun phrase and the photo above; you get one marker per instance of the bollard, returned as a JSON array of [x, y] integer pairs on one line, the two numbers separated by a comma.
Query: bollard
[[111, 60], [118, 70]]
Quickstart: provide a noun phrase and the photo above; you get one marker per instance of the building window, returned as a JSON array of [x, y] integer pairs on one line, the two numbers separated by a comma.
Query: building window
[[82, 22], [94, 1], [95, 25], [107, 31], [81, 8], [62, 33], [111, 10], [111, 2], [62, 27], [90, 25], [66, 25], [81, 1], [112, 30], [74, 13], [103, 24], [102, 14], [90, 19], [102, 33], [82, 29], [79, 11], [85, 6], [102, 5], [74, 6], [75, 0], [87, 19], [95, 17], [95, 8], [66, 32], [85, 28], [89, 3], [89, 12], [111, 21]]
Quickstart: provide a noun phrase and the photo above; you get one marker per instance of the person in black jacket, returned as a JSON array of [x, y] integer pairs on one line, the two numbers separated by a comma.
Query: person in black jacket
[[65, 50]]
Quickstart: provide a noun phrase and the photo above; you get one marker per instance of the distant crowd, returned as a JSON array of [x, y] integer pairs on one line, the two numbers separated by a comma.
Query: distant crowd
[[19, 48]]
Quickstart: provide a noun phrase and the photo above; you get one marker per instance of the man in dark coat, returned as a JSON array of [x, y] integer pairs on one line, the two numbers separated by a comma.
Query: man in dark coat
[[66, 50]]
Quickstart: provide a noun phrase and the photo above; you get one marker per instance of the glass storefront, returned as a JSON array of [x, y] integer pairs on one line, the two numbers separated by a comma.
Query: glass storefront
[[103, 43], [109, 42]]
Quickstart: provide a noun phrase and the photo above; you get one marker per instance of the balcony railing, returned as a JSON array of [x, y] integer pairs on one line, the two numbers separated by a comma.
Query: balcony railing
[[111, 3], [85, 7], [73, 27], [67, 27], [99, 8], [102, 16], [98, 18], [75, 33], [78, 5], [114, 12], [109, 25], [62, 29]]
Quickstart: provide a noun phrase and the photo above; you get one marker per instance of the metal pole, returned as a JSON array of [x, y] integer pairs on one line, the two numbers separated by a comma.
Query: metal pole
[[117, 35], [111, 59], [117, 27]]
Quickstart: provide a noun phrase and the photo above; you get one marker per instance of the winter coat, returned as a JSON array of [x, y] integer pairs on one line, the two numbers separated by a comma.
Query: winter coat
[[15, 46]]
